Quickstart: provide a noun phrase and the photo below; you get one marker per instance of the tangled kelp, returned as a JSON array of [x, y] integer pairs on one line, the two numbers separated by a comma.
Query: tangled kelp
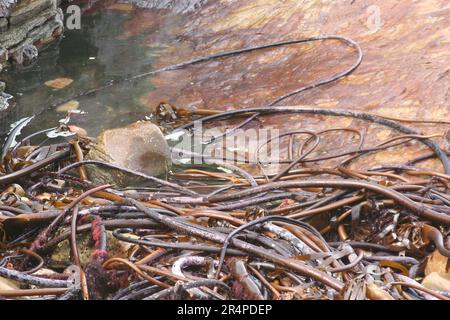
[[306, 232], [222, 231]]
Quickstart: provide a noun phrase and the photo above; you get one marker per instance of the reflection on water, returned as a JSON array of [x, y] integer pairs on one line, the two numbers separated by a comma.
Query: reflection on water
[[118, 39], [107, 47]]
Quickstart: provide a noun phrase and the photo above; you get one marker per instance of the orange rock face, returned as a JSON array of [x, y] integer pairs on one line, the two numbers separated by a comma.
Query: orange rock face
[[404, 73]]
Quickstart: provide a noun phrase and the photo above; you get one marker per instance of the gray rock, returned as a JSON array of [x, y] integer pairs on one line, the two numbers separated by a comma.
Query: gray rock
[[6, 103], [140, 146], [18, 33], [27, 9], [3, 56], [6, 6], [24, 25], [3, 24], [48, 31], [2, 87], [25, 55], [29, 23], [7, 112]]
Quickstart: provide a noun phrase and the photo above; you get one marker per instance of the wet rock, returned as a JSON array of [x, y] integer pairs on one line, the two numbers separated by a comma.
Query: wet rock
[[140, 146], [25, 55], [49, 31], [3, 24], [28, 9], [6, 103], [25, 26], [5, 7], [20, 33], [29, 23]]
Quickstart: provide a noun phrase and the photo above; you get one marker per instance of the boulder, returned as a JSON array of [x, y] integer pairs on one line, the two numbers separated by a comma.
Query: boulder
[[140, 146], [27, 9], [25, 26], [29, 22], [7, 104], [25, 55], [3, 55]]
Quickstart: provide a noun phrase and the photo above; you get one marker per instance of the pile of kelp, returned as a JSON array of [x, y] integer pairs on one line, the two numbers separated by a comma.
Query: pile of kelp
[[223, 230], [306, 232]]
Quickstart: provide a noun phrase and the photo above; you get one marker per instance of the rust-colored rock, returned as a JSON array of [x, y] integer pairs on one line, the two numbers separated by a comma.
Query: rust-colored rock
[[404, 72]]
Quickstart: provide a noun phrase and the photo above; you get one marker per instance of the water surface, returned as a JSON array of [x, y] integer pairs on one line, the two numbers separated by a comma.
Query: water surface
[[108, 47]]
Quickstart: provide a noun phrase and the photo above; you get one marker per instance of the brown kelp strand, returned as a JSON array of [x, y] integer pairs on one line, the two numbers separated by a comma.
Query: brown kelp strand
[[321, 226], [300, 233]]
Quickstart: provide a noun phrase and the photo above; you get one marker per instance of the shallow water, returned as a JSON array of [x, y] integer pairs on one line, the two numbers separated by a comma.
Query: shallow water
[[103, 50]]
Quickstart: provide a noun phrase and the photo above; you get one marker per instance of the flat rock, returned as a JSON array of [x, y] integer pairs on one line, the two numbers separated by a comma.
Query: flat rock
[[28, 9], [3, 55], [140, 146], [404, 72], [18, 33]]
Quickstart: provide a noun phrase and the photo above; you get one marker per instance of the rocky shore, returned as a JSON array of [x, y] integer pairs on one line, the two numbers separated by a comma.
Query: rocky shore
[[25, 27]]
